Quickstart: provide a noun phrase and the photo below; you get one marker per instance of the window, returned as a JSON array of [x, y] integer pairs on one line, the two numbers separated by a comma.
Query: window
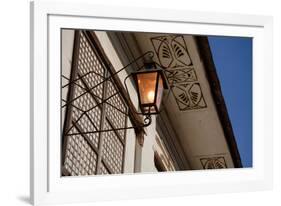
[[158, 163], [85, 149], [162, 158]]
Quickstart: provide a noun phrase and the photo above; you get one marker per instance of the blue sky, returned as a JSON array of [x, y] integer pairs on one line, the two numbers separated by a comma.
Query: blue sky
[[233, 59]]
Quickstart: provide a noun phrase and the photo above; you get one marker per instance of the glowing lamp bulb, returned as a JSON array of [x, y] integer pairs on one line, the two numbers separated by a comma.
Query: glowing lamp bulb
[[150, 96]]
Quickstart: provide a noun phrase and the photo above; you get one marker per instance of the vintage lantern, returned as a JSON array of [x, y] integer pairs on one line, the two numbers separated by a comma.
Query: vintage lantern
[[150, 84]]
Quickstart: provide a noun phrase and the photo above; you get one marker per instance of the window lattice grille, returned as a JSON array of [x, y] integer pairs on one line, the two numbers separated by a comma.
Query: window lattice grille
[[80, 158], [86, 150]]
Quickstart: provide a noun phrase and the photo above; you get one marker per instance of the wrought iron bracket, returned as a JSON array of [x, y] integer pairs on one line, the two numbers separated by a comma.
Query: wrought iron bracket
[[147, 121], [147, 118]]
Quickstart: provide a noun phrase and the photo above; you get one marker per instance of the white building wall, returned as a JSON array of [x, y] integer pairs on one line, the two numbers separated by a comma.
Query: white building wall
[[67, 38]]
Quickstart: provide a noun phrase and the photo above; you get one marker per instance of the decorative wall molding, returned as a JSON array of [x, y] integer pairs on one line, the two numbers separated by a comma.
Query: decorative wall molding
[[174, 57], [213, 162]]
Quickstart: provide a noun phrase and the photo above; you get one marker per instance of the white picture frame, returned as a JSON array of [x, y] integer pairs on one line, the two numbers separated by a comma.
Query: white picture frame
[[46, 185]]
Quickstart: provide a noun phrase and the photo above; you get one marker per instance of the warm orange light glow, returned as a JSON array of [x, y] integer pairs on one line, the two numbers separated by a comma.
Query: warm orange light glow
[[150, 95], [146, 86], [150, 87]]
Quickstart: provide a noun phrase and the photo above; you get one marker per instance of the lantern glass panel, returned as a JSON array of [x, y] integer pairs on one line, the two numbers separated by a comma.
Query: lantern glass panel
[[159, 91], [147, 87]]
